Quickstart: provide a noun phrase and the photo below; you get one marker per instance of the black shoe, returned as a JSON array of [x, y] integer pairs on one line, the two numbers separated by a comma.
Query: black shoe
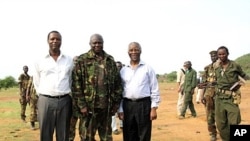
[[32, 125]]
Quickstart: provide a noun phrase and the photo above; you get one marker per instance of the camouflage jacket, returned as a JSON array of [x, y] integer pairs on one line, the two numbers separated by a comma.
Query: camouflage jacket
[[23, 80], [209, 73], [84, 85]]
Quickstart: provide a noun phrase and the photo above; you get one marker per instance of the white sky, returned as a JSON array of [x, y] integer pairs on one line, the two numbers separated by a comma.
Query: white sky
[[169, 31]]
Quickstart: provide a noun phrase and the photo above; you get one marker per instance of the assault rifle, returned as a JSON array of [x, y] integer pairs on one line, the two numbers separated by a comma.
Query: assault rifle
[[207, 84]]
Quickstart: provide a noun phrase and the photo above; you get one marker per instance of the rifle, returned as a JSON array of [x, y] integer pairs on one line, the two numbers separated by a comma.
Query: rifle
[[207, 84]]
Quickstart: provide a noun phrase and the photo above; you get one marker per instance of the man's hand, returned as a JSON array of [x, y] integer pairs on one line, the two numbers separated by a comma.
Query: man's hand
[[153, 113], [114, 110], [84, 111], [121, 116]]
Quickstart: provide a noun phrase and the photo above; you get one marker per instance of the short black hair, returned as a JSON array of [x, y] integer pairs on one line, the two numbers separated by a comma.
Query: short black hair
[[223, 47], [53, 31]]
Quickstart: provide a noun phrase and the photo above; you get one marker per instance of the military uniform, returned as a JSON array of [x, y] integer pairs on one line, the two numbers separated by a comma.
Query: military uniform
[[97, 86], [33, 98], [209, 95], [23, 80], [76, 115], [190, 84], [227, 111]]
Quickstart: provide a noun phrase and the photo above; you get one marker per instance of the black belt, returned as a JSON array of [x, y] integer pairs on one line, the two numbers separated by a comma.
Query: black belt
[[58, 97], [136, 100]]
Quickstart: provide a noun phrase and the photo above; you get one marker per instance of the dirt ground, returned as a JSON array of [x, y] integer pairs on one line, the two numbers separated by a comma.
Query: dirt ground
[[168, 127]]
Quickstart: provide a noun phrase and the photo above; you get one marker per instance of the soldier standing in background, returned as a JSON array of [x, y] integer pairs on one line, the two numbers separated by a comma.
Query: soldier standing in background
[[227, 99], [32, 98], [23, 83], [190, 84], [208, 99], [98, 89]]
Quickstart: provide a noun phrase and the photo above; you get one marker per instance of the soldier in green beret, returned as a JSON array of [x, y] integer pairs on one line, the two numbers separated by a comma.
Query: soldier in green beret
[[208, 99]]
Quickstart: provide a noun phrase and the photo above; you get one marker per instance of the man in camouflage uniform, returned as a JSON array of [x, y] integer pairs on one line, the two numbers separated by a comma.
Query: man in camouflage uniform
[[208, 99], [23, 83], [75, 116], [32, 98], [227, 100], [97, 87]]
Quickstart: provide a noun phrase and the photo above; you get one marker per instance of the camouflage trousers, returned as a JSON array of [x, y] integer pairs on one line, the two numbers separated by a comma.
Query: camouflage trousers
[[23, 103], [73, 122], [81, 128], [99, 121], [33, 108], [210, 114]]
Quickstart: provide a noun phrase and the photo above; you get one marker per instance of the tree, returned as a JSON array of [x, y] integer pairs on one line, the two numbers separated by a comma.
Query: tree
[[8, 82], [171, 77]]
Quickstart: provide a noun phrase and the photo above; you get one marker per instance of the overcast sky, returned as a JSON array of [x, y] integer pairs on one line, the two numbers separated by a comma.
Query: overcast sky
[[169, 31]]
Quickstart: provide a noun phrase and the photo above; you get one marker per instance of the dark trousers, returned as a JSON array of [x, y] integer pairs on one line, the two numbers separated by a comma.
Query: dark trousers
[[54, 114], [137, 125]]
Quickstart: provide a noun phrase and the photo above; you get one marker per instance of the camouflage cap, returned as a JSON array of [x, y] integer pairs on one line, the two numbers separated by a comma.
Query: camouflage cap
[[213, 52], [187, 63]]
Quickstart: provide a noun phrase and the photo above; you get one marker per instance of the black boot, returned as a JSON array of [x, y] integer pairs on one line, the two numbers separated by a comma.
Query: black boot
[[32, 124]]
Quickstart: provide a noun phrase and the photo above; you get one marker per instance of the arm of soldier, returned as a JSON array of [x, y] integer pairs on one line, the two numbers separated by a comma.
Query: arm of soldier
[[27, 93], [77, 90], [194, 82], [20, 83]]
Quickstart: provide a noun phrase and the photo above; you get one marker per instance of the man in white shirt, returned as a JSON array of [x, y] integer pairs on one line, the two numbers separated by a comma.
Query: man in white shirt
[[141, 97], [52, 80]]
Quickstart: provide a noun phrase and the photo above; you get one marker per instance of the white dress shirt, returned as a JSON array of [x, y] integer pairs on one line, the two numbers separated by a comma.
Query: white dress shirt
[[53, 77], [139, 83]]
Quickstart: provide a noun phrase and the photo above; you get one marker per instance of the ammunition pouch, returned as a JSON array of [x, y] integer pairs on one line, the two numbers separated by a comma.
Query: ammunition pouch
[[236, 97], [224, 93]]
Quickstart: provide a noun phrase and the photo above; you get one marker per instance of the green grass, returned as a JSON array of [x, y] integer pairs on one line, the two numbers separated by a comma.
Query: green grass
[[11, 126]]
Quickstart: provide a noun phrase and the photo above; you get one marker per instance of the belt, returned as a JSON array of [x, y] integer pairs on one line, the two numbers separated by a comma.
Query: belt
[[228, 92], [58, 97], [136, 100]]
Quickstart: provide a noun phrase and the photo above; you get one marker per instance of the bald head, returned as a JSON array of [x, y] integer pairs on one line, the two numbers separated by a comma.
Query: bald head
[[96, 44], [96, 36]]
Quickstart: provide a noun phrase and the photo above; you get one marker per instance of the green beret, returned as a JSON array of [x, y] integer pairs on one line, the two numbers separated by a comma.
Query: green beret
[[213, 52]]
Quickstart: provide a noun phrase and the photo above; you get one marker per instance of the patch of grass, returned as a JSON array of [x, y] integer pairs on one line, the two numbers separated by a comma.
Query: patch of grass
[[11, 126]]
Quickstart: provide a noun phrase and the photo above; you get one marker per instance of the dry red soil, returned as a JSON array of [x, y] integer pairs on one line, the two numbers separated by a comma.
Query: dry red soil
[[168, 127]]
